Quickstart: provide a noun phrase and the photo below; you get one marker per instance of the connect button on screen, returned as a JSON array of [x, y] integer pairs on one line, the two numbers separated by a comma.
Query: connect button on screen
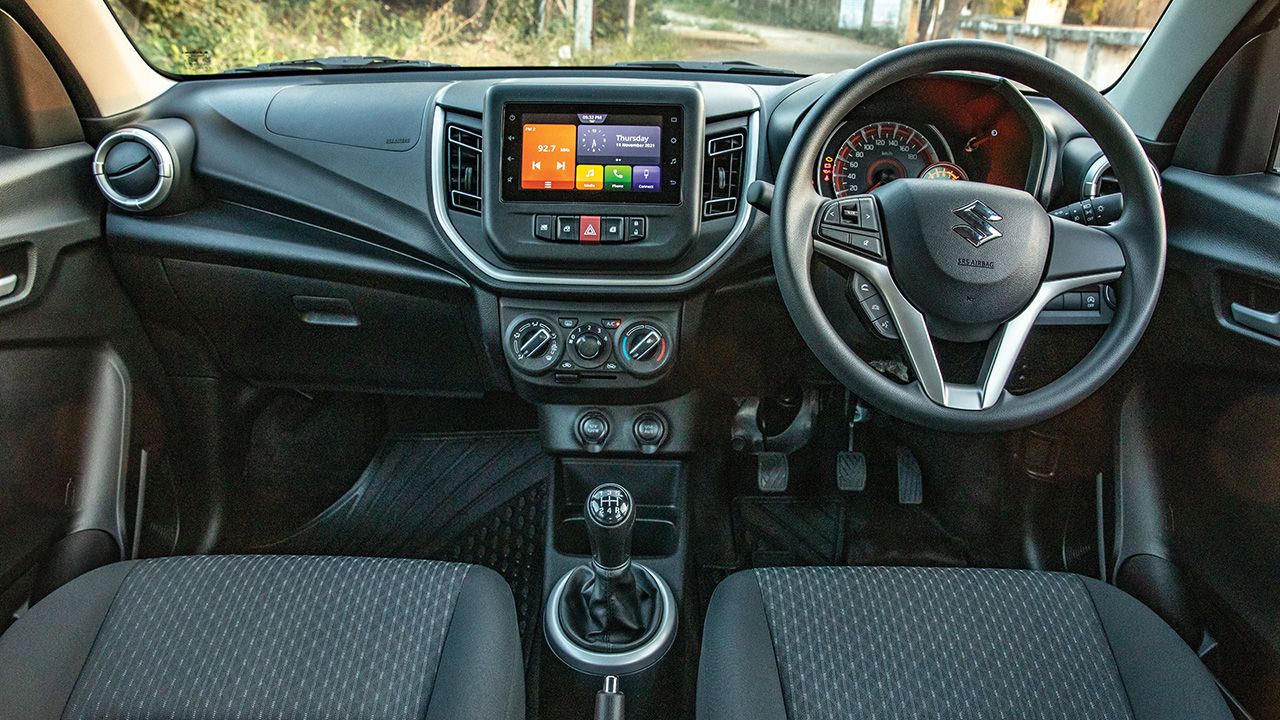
[[646, 178]]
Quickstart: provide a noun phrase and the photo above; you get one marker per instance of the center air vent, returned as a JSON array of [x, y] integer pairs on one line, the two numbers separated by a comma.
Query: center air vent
[[464, 169], [722, 175], [134, 169]]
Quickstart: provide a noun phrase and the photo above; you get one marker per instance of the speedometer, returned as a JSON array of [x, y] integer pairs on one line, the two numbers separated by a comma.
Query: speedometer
[[872, 155]]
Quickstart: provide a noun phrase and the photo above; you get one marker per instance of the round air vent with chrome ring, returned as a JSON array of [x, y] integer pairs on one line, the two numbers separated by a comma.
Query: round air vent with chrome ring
[[134, 168], [1099, 180]]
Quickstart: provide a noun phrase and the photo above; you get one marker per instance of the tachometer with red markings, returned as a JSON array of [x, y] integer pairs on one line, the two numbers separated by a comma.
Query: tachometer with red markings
[[872, 155]]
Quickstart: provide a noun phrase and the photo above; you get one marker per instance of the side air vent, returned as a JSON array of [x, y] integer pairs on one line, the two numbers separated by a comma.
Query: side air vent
[[1100, 179], [464, 169], [722, 175], [134, 169]]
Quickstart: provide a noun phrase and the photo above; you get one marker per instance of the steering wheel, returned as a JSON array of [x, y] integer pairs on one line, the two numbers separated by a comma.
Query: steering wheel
[[966, 261]]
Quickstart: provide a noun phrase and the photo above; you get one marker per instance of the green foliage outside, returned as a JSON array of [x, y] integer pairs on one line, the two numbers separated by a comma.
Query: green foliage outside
[[202, 36]]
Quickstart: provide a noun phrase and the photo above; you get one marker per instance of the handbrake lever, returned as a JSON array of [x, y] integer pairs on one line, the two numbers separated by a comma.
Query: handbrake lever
[[611, 704]]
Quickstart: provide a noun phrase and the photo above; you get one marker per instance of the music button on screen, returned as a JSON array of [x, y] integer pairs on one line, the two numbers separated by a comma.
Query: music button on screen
[[590, 177]]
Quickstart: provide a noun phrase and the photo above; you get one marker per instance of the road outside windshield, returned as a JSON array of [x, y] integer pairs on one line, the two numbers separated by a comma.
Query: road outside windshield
[[1094, 38]]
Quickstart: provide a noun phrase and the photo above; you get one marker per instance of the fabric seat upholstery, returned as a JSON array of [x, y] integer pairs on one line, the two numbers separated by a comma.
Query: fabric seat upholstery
[[268, 637], [878, 643]]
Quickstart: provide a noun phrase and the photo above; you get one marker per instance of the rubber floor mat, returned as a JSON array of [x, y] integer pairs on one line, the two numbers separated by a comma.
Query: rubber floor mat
[[774, 531], [478, 498]]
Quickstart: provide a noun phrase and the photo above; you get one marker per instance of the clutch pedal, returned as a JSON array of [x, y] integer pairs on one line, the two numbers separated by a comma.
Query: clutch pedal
[[773, 469]]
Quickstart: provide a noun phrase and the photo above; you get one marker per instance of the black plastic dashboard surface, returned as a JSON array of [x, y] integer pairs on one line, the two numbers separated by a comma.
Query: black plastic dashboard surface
[[339, 175]]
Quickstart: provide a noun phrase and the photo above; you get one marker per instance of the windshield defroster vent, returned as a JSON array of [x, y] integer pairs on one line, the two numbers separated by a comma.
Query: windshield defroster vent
[[464, 169], [722, 175]]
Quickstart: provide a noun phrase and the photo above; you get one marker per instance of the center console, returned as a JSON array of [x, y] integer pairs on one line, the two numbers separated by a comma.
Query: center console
[[591, 209]]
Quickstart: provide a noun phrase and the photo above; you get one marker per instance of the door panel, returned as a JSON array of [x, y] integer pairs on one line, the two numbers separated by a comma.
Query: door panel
[[78, 378], [1215, 411]]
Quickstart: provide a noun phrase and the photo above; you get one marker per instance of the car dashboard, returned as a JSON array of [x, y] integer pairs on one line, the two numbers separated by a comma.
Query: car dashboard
[[551, 232]]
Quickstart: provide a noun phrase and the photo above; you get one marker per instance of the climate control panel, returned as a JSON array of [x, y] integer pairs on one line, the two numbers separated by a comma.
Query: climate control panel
[[613, 346]]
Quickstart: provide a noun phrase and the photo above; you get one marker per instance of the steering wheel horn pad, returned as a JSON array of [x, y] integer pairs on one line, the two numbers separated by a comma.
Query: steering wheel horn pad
[[945, 280], [970, 256]]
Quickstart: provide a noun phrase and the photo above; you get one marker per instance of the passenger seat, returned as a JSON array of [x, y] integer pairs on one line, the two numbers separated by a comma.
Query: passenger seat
[[268, 636]]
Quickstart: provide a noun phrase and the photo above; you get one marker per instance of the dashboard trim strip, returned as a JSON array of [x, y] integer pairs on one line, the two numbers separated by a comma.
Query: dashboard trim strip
[[439, 208]]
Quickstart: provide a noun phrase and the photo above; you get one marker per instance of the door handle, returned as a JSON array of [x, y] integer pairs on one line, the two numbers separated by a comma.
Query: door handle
[[1266, 323], [8, 284]]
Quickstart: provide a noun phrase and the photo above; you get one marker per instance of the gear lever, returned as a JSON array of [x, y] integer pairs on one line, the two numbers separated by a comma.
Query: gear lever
[[610, 616], [610, 605], [610, 516]]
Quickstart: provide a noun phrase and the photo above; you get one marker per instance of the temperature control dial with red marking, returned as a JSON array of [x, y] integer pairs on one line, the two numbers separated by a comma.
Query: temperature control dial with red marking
[[534, 345], [644, 348]]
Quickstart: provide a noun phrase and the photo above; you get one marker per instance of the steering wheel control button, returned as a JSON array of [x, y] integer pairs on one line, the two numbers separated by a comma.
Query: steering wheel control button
[[867, 215], [650, 431], [862, 287], [869, 244], [590, 344], [851, 223], [885, 328], [534, 345], [644, 348], [544, 227], [567, 229], [874, 307], [593, 430]]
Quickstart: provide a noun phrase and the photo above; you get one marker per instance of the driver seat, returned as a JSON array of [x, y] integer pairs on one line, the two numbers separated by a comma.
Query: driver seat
[[884, 643]]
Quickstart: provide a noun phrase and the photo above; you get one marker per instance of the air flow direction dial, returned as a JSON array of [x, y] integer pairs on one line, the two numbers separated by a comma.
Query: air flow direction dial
[[534, 345]]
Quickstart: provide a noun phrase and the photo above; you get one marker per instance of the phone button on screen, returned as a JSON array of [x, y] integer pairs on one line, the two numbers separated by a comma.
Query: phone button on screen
[[617, 177]]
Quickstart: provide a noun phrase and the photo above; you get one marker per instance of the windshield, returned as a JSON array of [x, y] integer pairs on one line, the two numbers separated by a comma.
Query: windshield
[[1095, 38]]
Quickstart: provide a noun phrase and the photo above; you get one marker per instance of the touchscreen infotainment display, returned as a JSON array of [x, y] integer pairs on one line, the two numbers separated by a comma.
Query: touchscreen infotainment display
[[592, 154]]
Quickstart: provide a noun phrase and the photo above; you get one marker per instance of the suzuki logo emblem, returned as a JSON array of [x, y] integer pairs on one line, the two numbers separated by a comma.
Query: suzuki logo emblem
[[977, 227]]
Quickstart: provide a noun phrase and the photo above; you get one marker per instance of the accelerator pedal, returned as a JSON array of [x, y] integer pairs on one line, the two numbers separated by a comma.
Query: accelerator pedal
[[910, 479]]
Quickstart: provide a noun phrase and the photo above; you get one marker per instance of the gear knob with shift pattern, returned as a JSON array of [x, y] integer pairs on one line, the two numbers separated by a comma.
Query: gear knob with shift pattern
[[610, 517]]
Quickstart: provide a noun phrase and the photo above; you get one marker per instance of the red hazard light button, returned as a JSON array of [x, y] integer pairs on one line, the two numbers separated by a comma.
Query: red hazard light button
[[589, 229]]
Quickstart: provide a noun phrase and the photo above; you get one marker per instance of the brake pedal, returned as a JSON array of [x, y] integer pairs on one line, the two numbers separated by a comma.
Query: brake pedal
[[772, 472], [910, 479], [851, 465], [851, 471]]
